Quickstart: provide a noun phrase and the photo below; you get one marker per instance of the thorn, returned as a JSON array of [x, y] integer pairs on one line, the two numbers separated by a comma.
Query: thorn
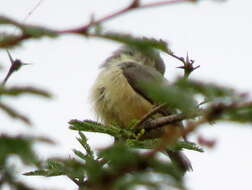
[[10, 57], [15, 65], [26, 63], [197, 67], [134, 4], [92, 19], [187, 58], [181, 67]]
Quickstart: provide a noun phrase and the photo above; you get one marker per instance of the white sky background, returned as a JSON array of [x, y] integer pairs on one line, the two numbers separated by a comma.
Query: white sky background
[[216, 35]]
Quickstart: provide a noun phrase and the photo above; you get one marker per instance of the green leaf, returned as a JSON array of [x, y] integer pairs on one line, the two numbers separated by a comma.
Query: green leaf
[[52, 168], [147, 46], [120, 156], [56, 167], [95, 171], [152, 143], [91, 126], [83, 141], [38, 32], [144, 144], [139, 43], [27, 31], [173, 96], [180, 145], [20, 146], [46, 173], [81, 155], [34, 31], [124, 159], [16, 91], [6, 20], [139, 179], [209, 90], [238, 114], [14, 114]]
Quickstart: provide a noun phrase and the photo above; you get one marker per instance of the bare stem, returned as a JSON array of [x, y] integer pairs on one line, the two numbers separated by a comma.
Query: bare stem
[[188, 64], [134, 5], [148, 115]]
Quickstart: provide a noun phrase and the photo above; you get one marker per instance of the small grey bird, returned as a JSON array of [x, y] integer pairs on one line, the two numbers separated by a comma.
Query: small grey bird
[[118, 96]]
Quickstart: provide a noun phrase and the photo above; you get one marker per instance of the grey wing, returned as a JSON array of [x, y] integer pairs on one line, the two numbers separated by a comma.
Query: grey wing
[[137, 74]]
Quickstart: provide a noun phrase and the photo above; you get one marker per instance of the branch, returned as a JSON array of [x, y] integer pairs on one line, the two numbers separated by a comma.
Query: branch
[[134, 5], [148, 115], [33, 9], [210, 114], [14, 114], [162, 121], [165, 120], [32, 32]]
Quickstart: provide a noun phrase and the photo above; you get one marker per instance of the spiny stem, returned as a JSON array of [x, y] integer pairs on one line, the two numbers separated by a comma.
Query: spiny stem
[[134, 5], [15, 65]]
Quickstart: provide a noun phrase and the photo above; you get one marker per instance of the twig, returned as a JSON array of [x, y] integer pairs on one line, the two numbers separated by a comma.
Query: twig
[[134, 5], [161, 121], [148, 115], [83, 30], [33, 10], [15, 66], [212, 114], [188, 66], [172, 136]]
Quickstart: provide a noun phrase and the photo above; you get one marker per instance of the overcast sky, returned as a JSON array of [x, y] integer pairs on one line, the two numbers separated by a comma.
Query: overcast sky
[[216, 35]]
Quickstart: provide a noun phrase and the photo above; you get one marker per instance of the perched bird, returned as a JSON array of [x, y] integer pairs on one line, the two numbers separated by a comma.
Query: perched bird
[[118, 96]]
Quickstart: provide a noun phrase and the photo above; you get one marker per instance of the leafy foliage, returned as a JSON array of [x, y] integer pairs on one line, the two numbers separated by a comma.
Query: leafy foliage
[[111, 168], [21, 147], [122, 165], [11, 146], [152, 143], [90, 126], [145, 45], [28, 31], [14, 114], [172, 95], [17, 147], [16, 91], [209, 90]]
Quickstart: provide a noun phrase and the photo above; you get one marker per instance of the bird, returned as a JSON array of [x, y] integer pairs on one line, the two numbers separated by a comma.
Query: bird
[[118, 97]]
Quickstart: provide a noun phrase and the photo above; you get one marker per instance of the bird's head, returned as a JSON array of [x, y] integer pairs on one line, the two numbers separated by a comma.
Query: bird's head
[[150, 57]]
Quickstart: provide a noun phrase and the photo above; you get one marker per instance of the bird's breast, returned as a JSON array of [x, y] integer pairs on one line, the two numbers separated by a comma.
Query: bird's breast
[[115, 101]]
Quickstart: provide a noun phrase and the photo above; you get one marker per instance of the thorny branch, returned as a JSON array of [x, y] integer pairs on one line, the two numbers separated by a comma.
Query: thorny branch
[[134, 5], [188, 66], [83, 30], [210, 114], [213, 113]]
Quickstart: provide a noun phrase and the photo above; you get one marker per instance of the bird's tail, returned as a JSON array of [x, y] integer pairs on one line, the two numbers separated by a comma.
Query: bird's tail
[[180, 160]]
